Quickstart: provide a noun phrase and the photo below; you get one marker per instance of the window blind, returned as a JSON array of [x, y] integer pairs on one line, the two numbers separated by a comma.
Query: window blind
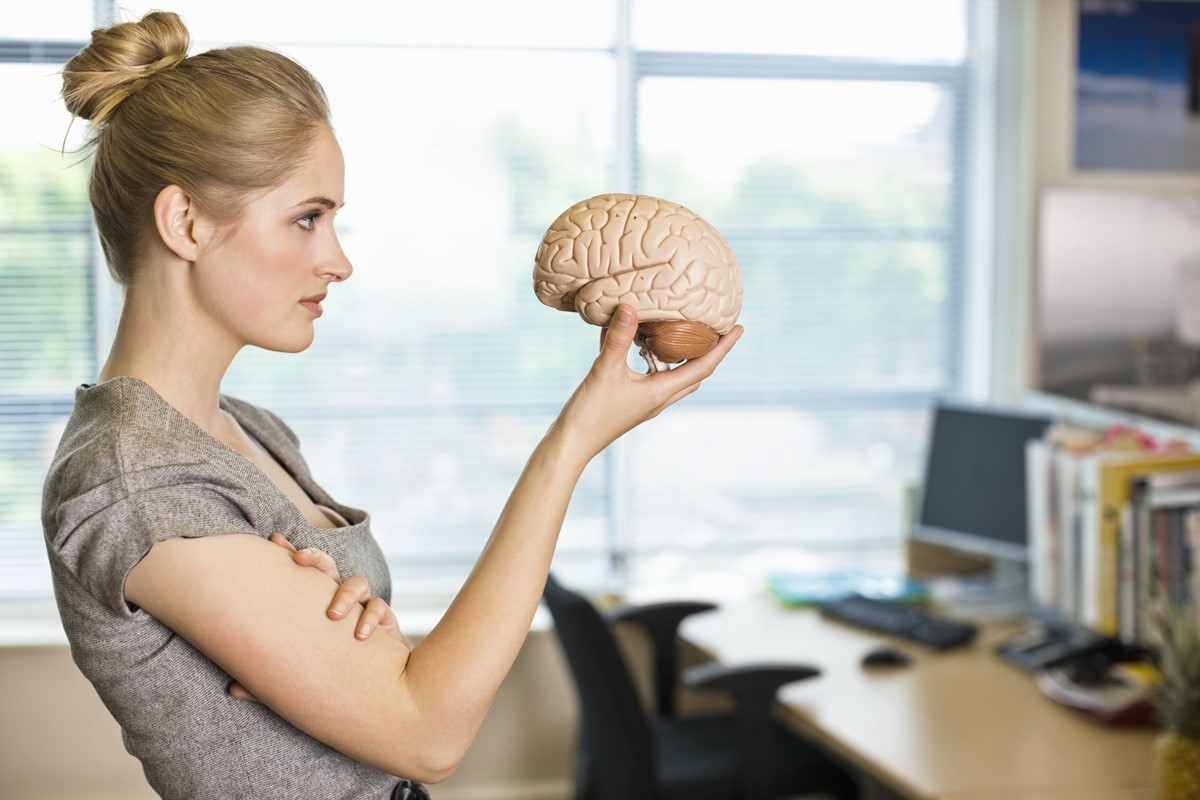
[[833, 160], [47, 332]]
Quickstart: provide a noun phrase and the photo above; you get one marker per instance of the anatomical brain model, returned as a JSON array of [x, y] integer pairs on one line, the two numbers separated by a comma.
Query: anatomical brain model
[[655, 255]]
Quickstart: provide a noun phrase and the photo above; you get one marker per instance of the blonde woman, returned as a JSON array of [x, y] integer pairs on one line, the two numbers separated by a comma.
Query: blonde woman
[[215, 185]]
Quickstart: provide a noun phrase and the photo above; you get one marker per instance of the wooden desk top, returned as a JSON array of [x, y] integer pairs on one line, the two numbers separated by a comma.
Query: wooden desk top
[[958, 725]]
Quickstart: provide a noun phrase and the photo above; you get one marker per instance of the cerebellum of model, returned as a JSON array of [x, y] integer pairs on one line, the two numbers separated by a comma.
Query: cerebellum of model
[[652, 254]]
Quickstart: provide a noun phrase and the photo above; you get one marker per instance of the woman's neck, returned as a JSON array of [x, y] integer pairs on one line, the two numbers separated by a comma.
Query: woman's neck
[[166, 349]]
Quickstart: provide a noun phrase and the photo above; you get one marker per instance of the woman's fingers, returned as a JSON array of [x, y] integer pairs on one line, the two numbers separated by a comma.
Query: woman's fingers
[[353, 591], [377, 614], [694, 370], [372, 617], [241, 692], [391, 626], [616, 339], [278, 539], [613, 398], [309, 557], [618, 336], [312, 557]]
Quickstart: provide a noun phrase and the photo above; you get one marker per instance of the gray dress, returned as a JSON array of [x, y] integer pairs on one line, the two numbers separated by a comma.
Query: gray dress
[[130, 471]]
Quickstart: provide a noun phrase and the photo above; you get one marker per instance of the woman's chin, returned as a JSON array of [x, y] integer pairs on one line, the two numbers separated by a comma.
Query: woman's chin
[[294, 344]]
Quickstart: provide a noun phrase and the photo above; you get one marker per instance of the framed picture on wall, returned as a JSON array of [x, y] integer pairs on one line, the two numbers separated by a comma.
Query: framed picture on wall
[[1137, 88]]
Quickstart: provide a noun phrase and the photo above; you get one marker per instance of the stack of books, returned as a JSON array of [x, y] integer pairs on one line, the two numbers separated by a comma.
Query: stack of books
[[1114, 521]]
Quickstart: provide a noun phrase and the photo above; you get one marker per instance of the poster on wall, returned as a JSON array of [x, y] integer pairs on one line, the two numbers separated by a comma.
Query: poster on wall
[[1137, 89]]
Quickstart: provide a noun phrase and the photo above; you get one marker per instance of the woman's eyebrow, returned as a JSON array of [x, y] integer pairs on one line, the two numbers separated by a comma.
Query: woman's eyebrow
[[325, 201]]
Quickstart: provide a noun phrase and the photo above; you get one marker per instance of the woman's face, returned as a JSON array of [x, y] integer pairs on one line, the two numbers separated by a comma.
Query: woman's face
[[263, 283]]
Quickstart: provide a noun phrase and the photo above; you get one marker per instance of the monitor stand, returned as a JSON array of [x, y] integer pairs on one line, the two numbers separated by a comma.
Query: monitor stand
[[1001, 594]]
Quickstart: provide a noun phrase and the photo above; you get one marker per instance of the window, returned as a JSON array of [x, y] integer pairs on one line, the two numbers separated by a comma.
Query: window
[[47, 289], [833, 155]]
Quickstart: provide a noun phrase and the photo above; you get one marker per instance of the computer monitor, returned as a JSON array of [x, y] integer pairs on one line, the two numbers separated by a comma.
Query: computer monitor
[[973, 494]]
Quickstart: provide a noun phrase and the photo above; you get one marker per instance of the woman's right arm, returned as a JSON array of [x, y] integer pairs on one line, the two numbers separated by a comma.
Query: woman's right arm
[[244, 603]]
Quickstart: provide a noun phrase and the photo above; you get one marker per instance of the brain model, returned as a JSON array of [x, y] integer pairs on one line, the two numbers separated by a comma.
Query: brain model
[[652, 254]]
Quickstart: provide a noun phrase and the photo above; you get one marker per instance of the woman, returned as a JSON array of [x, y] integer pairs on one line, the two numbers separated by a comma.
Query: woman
[[214, 188]]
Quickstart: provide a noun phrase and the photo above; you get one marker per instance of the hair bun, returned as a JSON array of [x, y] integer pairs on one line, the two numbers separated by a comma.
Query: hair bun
[[119, 59]]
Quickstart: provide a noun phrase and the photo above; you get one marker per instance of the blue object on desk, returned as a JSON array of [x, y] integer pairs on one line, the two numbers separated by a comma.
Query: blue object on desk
[[802, 589]]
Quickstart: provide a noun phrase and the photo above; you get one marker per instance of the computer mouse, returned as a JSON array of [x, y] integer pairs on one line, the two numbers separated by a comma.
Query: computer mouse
[[885, 657]]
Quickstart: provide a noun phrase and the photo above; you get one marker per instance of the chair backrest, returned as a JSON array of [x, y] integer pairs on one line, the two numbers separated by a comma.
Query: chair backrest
[[615, 735]]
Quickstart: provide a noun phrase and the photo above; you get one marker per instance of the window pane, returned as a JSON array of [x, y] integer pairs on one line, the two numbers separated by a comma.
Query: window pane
[[531, 23], [28, 437], [46, 344], [435, 480], [915, 30], [45, 241], [840, 219], [61, 20], [747, 485]]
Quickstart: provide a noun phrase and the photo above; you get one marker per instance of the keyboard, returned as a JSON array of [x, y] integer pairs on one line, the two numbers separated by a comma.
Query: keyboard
[[899, 619]]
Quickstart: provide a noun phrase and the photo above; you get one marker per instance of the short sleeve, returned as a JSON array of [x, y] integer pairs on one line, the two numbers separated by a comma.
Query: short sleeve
[[102, 531]]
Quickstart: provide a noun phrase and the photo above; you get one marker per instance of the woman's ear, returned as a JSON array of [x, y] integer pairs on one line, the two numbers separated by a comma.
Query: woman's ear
[[174, 218]]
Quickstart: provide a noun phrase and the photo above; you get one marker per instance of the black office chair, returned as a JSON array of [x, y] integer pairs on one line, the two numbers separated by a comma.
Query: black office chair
[[742, 755]]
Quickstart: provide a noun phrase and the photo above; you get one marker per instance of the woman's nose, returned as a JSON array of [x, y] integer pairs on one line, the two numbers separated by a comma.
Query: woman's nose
[[337, 267]]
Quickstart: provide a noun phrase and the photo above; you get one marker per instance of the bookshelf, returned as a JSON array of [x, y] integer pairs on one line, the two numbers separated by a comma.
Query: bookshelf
[[1114, 519]]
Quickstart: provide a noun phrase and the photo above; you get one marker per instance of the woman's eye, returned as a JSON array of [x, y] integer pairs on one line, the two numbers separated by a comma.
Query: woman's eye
[[308, 221]]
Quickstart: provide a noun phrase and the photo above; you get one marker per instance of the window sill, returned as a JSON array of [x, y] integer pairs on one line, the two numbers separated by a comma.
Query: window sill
[[30, 623]]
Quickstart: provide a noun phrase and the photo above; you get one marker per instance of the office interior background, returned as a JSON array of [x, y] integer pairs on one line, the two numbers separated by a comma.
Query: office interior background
[[876, 167]]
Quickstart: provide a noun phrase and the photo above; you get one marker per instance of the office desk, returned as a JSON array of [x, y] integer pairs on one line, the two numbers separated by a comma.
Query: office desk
[[958, 725]]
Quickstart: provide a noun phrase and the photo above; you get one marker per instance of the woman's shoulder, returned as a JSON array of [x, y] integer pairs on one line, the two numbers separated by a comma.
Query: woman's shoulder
[[122, 434], [124, 424]]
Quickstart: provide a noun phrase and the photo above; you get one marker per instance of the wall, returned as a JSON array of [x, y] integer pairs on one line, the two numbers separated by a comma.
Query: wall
[[1049, 81], [58, 742]]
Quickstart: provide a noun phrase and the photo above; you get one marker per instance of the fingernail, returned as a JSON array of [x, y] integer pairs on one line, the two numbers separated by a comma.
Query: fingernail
[[624, 315], [338, 610], [306, 552], [363, 630]]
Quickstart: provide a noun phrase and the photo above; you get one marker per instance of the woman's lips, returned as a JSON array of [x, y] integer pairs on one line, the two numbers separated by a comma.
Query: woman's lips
[[313, 304]]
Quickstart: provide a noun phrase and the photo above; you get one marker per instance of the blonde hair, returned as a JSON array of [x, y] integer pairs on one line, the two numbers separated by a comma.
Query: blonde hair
[[222, 125]]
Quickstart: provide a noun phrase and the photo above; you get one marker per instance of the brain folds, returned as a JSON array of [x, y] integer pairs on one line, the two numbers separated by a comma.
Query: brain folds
[[653, 254]]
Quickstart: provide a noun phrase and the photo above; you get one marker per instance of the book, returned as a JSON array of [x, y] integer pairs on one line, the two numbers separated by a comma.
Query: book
[[1069, 446], [1042, 523], [1068, 530], [1178, 561], [1105, 485], [1127, 580], [1165, 529]]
